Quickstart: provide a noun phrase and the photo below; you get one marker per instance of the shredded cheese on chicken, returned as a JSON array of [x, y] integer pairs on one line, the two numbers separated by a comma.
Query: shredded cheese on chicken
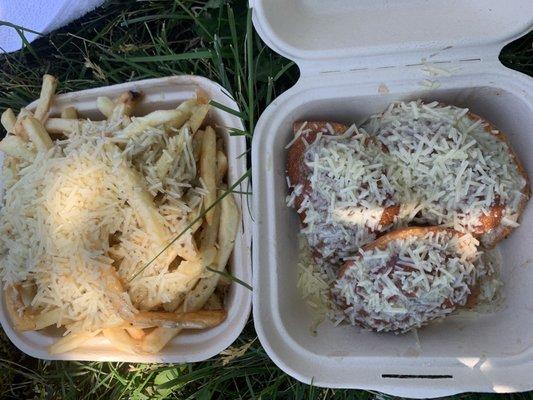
[[438, 166], [349, 190], [447, 166], [409, 283]]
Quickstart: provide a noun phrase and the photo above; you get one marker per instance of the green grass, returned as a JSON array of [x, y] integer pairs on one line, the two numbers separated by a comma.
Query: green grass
[[128, 40]]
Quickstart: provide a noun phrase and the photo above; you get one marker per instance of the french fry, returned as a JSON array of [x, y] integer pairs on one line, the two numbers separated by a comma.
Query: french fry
[[16, 147], [188, 106], [19, 128], [208, 255], [229, 224], [166, 160], [193, 270], [175, 118], [197, 140], [155, 118], [157, 339], [202, 97], [123, 106], [174, 304], [196, 298], [176, 282], [69, 126], [71, 341], [208, 252], [15, 308], [165, 117], [222, 166], [136, 333], [69, 113], [183, 278], [120, 339], [27, 293], [114, 290], [8, 120], [23, 320], [208, 168], [47, 318], [188, 320], [185, 247], [37, 134], [198, 117], [208, 237], [62, 125], [48, 89], [196, 215], [227, 235], [105, 105], [220, 145], [141, 201]]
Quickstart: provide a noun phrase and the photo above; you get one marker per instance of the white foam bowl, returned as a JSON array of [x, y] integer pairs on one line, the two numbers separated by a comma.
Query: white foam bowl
[[189, 346], [492, 352]]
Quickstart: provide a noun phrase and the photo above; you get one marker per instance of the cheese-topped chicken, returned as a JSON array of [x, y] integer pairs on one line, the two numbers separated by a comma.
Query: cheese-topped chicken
[[451, 168], [408, 278]]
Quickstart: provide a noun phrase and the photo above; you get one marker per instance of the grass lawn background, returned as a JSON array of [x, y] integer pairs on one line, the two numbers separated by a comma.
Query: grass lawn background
[[127, 40]]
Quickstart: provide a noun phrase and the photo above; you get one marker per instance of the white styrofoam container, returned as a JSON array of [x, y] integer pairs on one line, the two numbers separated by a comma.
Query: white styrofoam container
[[188, 346], [355, 57]]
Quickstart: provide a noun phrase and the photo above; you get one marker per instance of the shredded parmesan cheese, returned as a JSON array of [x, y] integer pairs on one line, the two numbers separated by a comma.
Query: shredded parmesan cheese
[[449, 167], [409, 283], [313, 285], [60, 211]]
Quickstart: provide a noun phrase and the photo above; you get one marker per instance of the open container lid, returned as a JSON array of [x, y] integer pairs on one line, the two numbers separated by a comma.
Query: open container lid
[[334, 35]]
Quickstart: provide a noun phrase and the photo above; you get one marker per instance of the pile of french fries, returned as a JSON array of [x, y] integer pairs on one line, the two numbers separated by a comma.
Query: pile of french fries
[[210, 237]]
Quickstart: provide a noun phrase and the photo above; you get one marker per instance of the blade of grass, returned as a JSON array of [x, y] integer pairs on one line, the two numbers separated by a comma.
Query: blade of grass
[[18, 27], [173, 57], [231, 277], [250, 64], [20, 31], [225, 108], [157, 17]]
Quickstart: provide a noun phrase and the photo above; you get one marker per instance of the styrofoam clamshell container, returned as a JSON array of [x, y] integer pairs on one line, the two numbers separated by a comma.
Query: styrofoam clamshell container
[[356, 58], [188, 346]]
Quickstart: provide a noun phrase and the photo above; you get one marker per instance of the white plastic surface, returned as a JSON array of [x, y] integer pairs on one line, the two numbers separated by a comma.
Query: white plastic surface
[[355, 57], [189, 346], [336, 35], [487, 353]]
